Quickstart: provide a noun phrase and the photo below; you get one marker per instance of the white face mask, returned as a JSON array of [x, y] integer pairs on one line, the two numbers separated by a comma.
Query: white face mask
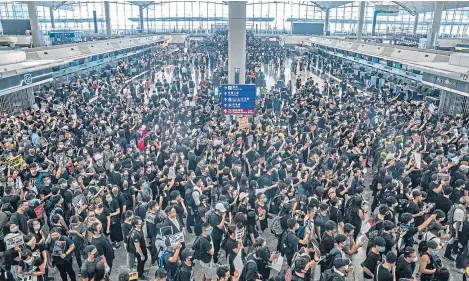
[[415, 259]]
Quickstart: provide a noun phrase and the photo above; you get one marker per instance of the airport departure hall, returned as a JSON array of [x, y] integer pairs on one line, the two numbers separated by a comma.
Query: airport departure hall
[[234, 140]]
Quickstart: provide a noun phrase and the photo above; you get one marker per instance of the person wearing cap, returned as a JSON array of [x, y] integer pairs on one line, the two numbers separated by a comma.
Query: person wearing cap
[[217, 221], [171, 259], [459, 216], [136, 245], [429, 261], [387, 270], [88, 268], [373, 257], [184, 271]]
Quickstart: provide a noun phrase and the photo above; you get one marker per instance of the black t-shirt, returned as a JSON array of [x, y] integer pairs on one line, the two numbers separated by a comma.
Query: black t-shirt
[[170, 267], [55, 247], [33, 267], [383, 274], [403, 268], [230, 245], [88, 269], [21, 220], [102, 217], [408, 238], [371, 262], [214, 220], [103, 246], [327, 243], [138, 237], [126, 227]]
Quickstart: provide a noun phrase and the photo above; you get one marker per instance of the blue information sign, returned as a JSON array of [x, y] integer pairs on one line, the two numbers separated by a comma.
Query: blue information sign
[[238, 99]]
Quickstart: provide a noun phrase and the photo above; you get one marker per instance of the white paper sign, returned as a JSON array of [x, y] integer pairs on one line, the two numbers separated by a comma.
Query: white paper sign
[[277, 263], [238, 262], [418, 160], [13, 241]]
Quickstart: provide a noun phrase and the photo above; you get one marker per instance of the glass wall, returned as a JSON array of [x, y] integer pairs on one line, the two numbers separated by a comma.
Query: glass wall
[[206, 16]]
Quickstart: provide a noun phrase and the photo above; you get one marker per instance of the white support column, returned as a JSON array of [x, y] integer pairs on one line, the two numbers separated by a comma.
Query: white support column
[[107, 16], [326, 22], [433, 37], [361, 20], [35, 30], [416, 23], [237, 41]]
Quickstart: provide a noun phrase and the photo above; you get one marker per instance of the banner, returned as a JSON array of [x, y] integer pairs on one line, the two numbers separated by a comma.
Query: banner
[[176, 238], [79, 201]]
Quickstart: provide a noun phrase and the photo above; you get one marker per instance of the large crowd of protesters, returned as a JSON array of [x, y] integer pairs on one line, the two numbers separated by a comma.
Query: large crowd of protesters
[[148, 165]]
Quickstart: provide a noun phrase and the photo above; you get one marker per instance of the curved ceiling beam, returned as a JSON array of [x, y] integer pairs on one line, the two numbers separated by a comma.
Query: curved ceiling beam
[[404, 7], [317, 5]]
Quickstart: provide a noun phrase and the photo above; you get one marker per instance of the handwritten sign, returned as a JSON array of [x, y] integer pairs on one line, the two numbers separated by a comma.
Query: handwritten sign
[[16, 161], [14, 240], [243, 123], [239, 233]]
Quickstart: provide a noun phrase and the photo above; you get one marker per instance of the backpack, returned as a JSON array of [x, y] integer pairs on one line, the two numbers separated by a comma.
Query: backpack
[[328, 262], [276, 227], [188, 199], [177, 275], [197, 254], [348, 211], [326, 275], [129, 245], [284, 248], [242, 275], [462, 260], [451, 214], [423, 244], [296, 256], [162, 259]]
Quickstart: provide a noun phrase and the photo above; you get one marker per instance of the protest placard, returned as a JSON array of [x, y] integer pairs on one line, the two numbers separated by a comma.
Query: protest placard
[[79, 201], [239, 233], [39, 211], [16, 161], [11, 241], [176, 238], [243, 123]]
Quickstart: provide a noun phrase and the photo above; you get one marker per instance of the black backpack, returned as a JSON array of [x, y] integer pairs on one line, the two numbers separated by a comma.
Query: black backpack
[[129, 243], [423, 244], [196, 248], [326, 275], [284, 248], [328, 262]]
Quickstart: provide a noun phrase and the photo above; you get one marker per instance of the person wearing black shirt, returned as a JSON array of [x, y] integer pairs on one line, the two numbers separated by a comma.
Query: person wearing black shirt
[[153, 218], [61, 248], [443, 201], [387, 235], [114, 209], [88, 268], [290, 241], [103, 215], [171, 258], [327, 240], [185, 269], [11, 198], [126, 228], [101, 243], [204, 250], [217, 221], [31, 265], [404, 263], [137, 243], [406, 238], [386, 270], [20, 217], [232, 247], [372, 258]]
